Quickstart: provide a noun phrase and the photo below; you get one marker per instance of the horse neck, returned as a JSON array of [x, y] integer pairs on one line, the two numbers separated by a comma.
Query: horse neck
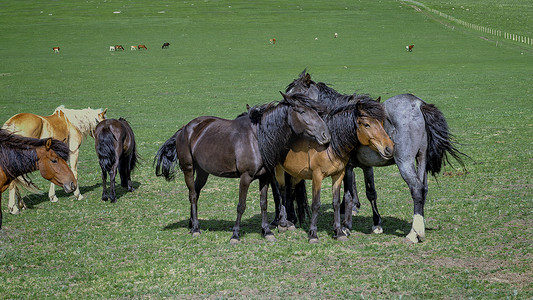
[[82, 122], [274, 135], [17, 162], [343, 135]]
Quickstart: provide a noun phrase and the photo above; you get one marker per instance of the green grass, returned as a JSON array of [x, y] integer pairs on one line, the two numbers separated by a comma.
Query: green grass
[[479, 225]]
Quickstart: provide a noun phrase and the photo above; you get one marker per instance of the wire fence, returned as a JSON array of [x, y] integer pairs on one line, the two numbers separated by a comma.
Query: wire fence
[[506, 35]]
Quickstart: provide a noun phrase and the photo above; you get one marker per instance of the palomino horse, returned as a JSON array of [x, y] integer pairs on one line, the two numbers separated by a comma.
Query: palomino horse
[[351, 125], [21, 155], [70, 126], [115, 148], [229, 148], [422, 144]]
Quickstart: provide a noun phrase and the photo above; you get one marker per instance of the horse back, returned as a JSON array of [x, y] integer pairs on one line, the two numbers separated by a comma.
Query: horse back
[[28, 125]]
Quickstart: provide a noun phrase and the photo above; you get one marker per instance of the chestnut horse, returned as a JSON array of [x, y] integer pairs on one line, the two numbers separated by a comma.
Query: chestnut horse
[[229, 148], [21, 155], [351, 125], [70, 126], [115, 148]]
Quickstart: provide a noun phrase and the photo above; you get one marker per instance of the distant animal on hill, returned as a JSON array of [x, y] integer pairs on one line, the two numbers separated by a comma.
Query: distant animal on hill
[[272, 41], [142, 47], [111, 48], [409, 48], [132, 48], [116, 149], [119, 47], [165, 45], [56, 49], [336, 35]]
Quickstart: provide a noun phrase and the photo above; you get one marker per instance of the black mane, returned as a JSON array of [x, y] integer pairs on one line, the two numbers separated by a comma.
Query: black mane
[[18, 156]]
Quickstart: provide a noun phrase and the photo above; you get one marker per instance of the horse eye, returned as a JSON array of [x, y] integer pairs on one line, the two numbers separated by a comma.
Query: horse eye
[[367, 125], [54, 161]]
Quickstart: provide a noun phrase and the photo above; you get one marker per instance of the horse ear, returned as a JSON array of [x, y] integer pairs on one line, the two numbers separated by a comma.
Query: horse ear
[[287, 98], [247, 107], [48, 144], [378, 99]]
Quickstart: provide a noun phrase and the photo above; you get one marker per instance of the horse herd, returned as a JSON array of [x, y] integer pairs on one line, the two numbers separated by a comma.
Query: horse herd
[[313, 133]]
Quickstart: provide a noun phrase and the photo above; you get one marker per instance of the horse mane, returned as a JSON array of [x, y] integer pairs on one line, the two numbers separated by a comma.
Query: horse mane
[[18, 155], [342, 121], [85, 120], [273, 132]]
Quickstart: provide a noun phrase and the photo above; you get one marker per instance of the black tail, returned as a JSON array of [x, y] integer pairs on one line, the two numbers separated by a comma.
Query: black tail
[[106, 149], [166, 159], [440, 140]]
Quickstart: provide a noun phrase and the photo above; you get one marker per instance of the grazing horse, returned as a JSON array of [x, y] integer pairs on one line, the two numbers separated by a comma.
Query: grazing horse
[[70, 126], [272, 41], [133, 48], [112, 48], [56, 49], [409, 48], [142, 47], [115, 148], [422, 142], [351, 126], [119, 47], [21, 155], [229, 148], [165, 45]]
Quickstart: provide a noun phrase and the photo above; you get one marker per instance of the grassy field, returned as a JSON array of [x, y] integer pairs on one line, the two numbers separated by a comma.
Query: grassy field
[[479, 238]]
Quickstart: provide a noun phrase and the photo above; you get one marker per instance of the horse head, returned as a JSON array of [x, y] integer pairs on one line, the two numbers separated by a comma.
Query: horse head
[[303, 85], [304, 118], [370, 131], [53, 166]]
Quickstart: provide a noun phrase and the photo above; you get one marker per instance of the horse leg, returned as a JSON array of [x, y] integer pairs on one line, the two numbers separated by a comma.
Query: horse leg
[[112, 175], [73, 160], [265, 228], [15, 202], [104, 184], [418, 189], [372, 196], [125, 173], [350, 192], [315, 206], [338, 232], [280, 189], [52, 193], [244, 184], [195, 186]]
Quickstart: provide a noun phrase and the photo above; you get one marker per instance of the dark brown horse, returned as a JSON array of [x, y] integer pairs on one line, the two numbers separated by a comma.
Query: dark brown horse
[[229, 148], [359, 123], [116, 149], [21, 155]]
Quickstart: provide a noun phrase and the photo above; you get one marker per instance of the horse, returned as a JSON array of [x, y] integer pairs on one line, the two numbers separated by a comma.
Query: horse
[[229, 148], [272, 41], [165, 45], [409, 48], [115, 148], [142, 47], [422, 145], [112, 48], [70, 126], [21, 155], [133, 48], [351, 125], [55, 49], [119, 47]]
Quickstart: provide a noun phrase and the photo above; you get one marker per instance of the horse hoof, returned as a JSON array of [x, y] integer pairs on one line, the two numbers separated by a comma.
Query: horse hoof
[[377, 229], [313, 241], [412, 237], [234, 241], [54, 199], [270, 238], [195, 234], [282, 229]]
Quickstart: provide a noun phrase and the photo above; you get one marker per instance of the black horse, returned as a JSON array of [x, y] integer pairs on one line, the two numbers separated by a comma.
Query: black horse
[[116, 149], [229, 148], [422, 146]]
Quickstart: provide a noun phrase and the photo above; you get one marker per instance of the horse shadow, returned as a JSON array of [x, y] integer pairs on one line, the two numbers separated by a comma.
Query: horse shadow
[[121, 191], [361, 224], [33, 200]]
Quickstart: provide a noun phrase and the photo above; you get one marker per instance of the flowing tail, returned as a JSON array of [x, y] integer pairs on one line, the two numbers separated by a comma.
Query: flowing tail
[[106, 150], [440, 141], [166, 159]]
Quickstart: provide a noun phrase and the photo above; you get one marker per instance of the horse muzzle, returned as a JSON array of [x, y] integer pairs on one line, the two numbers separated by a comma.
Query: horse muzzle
[[69, 187]]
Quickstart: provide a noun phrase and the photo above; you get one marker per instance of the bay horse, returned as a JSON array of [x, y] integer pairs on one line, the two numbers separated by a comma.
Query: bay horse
[[351, 126], [165, 45], [423, 145], [229, 148], [70, 126], [119, 47], [116, 149], [21, 155], [142, 47]]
